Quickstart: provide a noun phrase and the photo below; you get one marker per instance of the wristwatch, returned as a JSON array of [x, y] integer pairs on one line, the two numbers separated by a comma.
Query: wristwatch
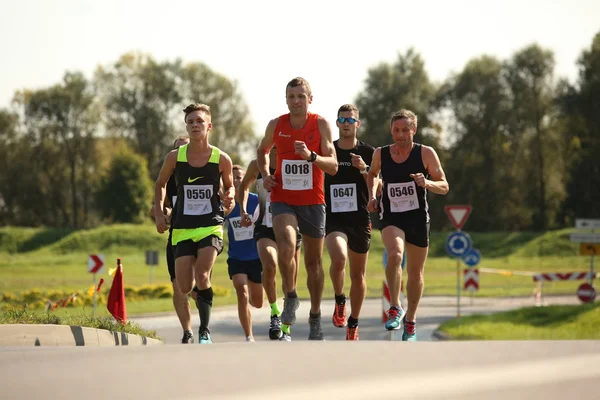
[[366, 170], [313, 157]]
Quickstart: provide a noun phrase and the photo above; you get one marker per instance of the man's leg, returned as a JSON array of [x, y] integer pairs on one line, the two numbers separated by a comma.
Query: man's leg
[[240, 283], [284, 226], [184, 273], [358, 285], [267, 251], [337, 247], [315, 280], [415, 267], [394, 239], [202, 271], [180, 300]]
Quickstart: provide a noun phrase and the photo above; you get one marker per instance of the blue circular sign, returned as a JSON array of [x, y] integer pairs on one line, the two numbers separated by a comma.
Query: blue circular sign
[[472, 257], [458, 243]]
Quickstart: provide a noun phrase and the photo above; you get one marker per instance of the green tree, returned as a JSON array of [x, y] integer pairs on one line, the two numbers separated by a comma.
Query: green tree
[[125, 192], [391, 87], [529, 74], [481, 157], [144, 100], [580, 105], [60, 123]]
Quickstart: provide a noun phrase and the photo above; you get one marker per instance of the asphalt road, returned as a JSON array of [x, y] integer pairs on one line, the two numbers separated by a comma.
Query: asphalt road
[[225, 326], [373, 368], [306, 370]]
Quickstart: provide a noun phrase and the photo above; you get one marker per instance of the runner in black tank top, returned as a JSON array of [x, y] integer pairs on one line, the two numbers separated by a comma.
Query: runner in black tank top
[[180, 300], [348, 223], [197, 234], [408, 170], [403, 203]]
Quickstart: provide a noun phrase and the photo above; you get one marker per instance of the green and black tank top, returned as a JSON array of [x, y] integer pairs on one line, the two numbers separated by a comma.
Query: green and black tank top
[[198, 202]]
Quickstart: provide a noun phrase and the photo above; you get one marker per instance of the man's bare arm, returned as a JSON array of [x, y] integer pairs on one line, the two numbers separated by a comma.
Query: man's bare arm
[[160, 189], [438, 183], [226, 168], [262, 152], [244, 186], [327, 161]]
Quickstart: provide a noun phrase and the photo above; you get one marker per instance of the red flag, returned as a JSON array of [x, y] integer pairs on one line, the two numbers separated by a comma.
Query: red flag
[[116, 297]]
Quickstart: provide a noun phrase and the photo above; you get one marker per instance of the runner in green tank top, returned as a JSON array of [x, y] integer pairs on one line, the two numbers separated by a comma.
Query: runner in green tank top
[[199, 169]]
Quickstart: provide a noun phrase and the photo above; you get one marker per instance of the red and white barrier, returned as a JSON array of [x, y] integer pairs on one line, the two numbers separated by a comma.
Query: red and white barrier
[[565, 276]]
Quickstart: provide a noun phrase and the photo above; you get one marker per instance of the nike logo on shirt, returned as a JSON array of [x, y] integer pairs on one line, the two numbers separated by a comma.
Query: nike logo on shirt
[[190, 180]]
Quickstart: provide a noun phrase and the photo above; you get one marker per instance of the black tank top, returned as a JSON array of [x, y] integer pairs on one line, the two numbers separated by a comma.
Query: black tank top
[[198, 203], [172, 196], [264, 202], [401, 197], [346, 193]]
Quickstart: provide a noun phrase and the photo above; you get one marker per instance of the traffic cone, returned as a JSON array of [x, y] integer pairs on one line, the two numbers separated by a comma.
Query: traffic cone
[[116, 297]]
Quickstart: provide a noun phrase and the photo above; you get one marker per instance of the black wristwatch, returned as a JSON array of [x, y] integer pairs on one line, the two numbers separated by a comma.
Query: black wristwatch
[[313, 157]]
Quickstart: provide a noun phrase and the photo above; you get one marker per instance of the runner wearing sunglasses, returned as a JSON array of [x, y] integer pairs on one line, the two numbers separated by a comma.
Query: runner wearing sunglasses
[[348, 224]]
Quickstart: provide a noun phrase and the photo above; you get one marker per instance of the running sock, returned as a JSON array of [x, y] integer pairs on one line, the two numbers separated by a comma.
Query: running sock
[[188, 332], [285, 329], [341, 299], [292, 294], [196, 290], [275, 309], [352, 322], [314, 316], [204, 303]]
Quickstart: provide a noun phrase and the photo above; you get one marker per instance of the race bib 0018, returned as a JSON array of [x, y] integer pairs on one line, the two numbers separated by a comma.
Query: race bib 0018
[[297, 175]]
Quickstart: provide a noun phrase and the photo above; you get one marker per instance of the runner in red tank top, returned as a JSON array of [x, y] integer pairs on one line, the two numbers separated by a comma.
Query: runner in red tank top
[[304, 151]]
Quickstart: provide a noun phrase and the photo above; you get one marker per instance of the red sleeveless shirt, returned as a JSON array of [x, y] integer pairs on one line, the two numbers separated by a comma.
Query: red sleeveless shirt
[[300, 183]]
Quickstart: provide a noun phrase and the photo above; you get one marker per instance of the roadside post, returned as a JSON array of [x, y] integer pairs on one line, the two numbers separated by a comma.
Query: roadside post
[[95, 266], [151, 261], [589, 244], [458, 243]]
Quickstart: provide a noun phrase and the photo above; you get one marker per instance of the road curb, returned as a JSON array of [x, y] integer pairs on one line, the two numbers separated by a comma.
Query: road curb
[[441, 335], [67, 335]]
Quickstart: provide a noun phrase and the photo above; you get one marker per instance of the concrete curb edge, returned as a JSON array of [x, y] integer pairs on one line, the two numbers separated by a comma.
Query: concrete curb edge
[[67, 335]]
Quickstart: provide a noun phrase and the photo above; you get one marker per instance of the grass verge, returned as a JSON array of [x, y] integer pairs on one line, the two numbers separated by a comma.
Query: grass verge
[[567, 322], [23, 316]]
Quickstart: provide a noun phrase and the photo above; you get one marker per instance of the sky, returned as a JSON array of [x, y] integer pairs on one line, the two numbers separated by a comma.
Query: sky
[[262, 45]]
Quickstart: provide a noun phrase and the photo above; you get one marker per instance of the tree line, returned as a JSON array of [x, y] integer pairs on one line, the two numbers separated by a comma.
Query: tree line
[[517, 143]]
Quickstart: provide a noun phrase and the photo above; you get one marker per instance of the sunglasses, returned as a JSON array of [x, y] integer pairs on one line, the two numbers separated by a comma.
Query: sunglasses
[[349, 120]]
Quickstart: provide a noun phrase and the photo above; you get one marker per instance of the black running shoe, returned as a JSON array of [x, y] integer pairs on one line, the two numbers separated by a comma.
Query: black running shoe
[[188, 337], [275, 328]]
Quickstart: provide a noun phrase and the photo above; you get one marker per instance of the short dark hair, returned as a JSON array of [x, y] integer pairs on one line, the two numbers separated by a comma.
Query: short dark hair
[[348, 107], [405, 114], [298, 81], [238, 167], [195, 107]]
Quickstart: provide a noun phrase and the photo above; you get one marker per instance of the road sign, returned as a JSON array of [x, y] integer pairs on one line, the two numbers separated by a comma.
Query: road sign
[[586, 293], [458, 243], [585, 237], [471, 279], [472, 257], [151, 257], [458, 214], [95, 263], [581, 223], [589, 249]]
